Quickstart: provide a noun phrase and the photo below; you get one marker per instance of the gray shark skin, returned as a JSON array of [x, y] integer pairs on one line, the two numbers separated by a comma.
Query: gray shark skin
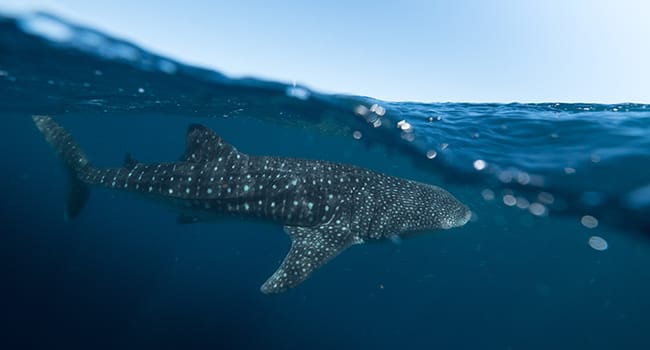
[[325, 207]]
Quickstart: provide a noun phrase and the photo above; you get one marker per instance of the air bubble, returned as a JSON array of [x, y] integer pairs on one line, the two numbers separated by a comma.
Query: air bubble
[[589, 221], [537, 209], [361, 110], [598, 243], [509, 200], [487, 194], [404, 126]]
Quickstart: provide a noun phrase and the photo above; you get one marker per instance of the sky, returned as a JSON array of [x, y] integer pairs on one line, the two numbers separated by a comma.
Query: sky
[[402, 50]]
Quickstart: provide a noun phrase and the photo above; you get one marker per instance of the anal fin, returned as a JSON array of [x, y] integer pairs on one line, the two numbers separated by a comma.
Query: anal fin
[[311, 247]]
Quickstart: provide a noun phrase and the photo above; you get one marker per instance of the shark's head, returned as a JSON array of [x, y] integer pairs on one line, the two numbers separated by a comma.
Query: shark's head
[[420, 207], [446, 211]]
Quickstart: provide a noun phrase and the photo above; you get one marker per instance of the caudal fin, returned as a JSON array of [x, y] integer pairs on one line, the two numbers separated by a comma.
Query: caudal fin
[[75, 162]]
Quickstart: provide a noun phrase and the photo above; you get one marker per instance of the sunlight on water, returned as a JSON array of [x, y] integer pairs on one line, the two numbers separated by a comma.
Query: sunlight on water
[[49, 28]]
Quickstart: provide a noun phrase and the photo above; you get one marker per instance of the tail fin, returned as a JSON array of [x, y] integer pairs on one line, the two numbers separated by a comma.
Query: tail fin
[[75, 162]]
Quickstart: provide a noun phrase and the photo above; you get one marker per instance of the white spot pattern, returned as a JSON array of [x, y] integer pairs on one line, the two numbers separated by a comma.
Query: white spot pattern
[[325, 207]]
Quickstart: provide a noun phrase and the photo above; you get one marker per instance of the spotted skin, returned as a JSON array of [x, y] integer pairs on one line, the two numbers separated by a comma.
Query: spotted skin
[[324, 207]]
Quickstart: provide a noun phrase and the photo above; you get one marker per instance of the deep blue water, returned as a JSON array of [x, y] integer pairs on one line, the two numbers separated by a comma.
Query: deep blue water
[[541, 179]]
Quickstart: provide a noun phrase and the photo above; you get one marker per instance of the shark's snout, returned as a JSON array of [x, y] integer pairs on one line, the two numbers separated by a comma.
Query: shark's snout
[[458, 215], [465, 216]]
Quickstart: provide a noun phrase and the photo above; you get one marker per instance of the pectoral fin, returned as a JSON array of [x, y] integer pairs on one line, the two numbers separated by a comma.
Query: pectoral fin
[[311, 247]]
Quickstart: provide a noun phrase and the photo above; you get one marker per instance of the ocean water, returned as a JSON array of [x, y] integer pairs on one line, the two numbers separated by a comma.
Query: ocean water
[[555, 256]]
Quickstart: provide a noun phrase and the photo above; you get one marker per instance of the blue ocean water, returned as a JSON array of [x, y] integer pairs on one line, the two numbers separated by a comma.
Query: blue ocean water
[[546, 183]]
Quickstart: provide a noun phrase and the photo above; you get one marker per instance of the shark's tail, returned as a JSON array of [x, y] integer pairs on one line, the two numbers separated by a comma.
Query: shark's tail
[[75, 162]]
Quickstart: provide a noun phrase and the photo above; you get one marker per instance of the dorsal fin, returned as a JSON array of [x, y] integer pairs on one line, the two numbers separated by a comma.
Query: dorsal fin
[[129, 161], [204, 145]]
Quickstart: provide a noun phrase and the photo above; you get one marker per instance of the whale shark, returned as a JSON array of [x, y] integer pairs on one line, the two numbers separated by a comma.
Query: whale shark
[[324, 207]]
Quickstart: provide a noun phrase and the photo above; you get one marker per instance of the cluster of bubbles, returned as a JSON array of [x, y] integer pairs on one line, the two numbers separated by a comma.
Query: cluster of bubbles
[[407, 130], [537, 206], [375, 116]]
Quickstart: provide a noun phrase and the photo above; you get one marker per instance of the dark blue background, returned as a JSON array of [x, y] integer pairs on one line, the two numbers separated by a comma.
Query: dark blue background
[[125, 275]]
